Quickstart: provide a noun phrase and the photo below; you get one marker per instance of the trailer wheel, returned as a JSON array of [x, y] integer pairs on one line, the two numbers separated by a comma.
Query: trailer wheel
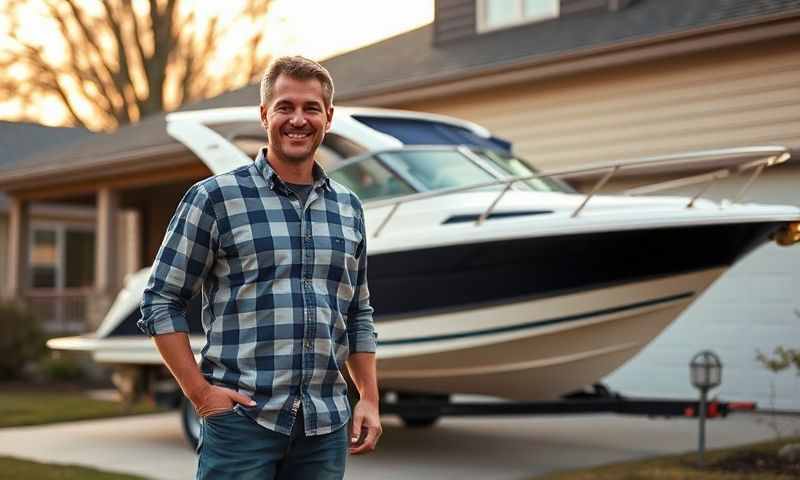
[[190, 422], [426, 412], [419, 422]]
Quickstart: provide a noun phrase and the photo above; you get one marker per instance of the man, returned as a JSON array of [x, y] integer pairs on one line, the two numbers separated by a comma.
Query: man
[[279, 252]]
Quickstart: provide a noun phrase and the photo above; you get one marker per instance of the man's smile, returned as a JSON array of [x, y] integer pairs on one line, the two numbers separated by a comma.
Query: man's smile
[[297, 135]]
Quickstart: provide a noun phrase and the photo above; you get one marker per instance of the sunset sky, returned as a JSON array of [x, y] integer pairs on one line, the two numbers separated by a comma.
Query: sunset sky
[[316, 28]]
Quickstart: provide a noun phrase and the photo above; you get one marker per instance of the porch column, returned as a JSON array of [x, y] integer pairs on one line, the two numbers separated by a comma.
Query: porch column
[[106, 254], [18, 234]]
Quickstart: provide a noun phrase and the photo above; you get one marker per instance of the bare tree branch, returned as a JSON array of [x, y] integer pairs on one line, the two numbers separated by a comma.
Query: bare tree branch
[[78, 55], [120, 63]]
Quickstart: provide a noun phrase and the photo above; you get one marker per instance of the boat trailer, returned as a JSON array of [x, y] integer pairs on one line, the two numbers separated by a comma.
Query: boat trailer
[[424, 410]]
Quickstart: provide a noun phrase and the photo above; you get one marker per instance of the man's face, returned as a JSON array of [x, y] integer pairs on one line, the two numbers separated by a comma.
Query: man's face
[[296, 118]]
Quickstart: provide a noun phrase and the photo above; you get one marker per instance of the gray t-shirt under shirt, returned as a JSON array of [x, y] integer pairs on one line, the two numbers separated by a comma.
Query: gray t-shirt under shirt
[[302, 191]]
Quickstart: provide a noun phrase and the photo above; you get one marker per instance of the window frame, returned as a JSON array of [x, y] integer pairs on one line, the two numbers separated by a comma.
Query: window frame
[[60, 229], [483, 26]]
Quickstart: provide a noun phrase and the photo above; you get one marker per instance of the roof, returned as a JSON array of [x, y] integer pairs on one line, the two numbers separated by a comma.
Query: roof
[[19, 140], [411, 60]]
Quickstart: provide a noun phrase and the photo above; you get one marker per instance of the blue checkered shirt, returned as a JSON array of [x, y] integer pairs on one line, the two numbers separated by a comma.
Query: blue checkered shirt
[[285, 297]]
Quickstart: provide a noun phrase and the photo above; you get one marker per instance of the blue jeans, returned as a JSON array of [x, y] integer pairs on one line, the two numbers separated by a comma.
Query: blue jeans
[[233, 446]]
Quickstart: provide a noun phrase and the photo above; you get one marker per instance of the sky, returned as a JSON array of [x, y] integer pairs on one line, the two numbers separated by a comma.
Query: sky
[[315, 28], [322, 28]]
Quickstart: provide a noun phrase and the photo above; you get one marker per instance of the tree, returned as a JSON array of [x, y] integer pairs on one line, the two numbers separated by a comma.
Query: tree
[[111, 62]]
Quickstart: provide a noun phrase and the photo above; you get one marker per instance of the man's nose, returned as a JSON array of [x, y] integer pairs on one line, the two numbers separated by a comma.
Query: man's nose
[[298, 119]]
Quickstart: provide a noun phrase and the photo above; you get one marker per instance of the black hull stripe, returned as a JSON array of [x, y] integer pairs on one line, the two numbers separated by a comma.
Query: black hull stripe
[[415, 282], [538, 323]]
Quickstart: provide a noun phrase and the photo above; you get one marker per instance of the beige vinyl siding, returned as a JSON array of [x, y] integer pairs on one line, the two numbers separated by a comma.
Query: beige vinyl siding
[[455, 19], [727, 98]]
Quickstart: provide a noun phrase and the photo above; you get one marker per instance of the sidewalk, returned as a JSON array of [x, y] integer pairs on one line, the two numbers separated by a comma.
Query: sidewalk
[[498, 448]]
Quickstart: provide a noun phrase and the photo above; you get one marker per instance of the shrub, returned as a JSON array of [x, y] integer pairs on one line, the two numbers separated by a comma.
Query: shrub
[[781, 359], [21, 340], [59, 368]]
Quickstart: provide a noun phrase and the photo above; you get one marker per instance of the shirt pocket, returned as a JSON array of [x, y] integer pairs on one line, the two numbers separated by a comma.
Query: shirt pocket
[[336, 257], [344, 248]]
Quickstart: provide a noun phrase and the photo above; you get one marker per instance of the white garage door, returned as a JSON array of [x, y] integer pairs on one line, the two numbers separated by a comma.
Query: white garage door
[[754, 307]]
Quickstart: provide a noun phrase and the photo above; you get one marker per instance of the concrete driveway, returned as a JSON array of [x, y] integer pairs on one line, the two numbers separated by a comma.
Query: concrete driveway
[[499, 448]]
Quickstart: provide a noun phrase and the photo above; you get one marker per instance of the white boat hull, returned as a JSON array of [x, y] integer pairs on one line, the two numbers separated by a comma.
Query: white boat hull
[[538, 349]]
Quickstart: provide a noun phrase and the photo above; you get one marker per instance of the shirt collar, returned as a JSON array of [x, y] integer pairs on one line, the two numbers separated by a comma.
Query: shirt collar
[[321, 178]]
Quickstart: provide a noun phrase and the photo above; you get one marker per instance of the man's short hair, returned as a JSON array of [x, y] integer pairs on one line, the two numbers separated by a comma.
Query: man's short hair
[[299, 68]]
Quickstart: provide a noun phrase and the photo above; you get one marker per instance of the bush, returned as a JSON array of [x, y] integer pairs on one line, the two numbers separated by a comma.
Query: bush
[[781, 359], [21, 341], [59, 368]]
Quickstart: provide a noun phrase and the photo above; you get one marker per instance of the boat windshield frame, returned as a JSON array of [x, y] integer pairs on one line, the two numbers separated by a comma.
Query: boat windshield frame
[[742, 159], [475, 156]]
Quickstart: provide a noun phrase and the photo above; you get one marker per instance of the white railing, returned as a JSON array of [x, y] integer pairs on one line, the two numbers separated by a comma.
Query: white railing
[[742, 159], [60, 311]]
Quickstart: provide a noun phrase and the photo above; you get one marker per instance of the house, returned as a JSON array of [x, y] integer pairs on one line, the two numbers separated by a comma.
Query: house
[[566, 81], [61, 236]]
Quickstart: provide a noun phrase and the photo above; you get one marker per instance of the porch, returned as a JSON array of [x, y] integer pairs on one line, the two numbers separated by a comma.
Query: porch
[[68, 264]]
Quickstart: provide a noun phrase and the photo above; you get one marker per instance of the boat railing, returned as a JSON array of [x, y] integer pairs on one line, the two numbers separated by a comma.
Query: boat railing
[[742, 159]]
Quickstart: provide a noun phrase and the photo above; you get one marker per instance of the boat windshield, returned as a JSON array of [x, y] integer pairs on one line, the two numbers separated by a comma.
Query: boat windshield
[[512, 166], [371, 180], [402, 172]]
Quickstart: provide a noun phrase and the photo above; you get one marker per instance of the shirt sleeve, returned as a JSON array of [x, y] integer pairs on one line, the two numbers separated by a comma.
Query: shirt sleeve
[[185, 257], [360, 328]]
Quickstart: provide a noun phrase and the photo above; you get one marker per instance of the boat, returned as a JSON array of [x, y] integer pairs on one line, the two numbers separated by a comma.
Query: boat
[[488, 276]]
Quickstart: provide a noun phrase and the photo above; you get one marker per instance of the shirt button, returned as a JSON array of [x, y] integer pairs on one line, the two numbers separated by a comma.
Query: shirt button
[[308, 344]]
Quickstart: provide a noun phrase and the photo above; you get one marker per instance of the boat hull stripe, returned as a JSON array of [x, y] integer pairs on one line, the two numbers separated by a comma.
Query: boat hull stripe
[[538, 323]]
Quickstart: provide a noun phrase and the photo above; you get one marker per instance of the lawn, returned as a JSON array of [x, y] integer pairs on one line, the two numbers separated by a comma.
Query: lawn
[[752, 462], [20, 407], [13, 469]]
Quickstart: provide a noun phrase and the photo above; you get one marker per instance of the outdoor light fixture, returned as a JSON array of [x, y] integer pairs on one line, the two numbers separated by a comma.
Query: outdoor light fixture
[[705, 371]]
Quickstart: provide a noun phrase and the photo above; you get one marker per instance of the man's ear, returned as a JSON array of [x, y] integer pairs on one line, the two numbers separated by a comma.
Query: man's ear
[[330, 118], [263, 113]]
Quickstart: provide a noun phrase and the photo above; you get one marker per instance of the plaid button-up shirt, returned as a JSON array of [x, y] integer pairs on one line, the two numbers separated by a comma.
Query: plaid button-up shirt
[[285, 297]]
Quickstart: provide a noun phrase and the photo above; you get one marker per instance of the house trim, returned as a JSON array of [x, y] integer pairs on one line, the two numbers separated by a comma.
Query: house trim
[[149, 166]]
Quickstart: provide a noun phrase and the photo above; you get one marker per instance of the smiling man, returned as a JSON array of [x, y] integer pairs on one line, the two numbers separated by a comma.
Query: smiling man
[[279, 252]]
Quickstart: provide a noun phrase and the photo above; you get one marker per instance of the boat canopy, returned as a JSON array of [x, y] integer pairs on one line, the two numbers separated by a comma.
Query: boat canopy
[[416, 131]]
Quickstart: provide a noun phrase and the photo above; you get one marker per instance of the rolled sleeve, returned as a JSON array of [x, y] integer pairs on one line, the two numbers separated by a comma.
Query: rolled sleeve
[[360, 329], [186, 255]]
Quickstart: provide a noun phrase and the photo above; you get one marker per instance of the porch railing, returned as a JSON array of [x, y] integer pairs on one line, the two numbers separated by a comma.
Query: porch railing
[[61, 311]]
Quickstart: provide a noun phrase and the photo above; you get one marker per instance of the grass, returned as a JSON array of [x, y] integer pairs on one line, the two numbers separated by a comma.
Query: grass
[[752, 462], [14, 469], [19, 408]]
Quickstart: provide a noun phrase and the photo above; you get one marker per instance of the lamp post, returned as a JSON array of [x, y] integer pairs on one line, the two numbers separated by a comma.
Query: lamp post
[[706, 373]]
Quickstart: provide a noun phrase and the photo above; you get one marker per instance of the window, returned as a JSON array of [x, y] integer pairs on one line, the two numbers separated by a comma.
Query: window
[[44, 258], [495, 14], [61, 256]]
